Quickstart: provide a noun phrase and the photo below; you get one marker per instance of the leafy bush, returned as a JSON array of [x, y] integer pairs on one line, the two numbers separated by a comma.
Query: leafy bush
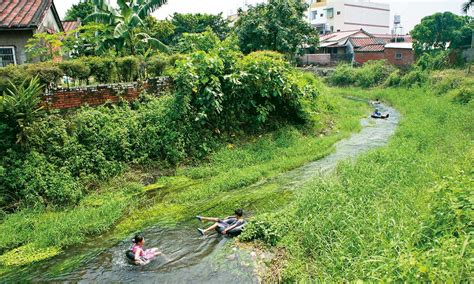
[[266, 228], [416, 77], [191, 42], [128, 68], [12, 73], [344, 75], [436, 60], [48, 73], [372, 73], [265, 87], [34, 181], [393, 80], [156, 65], [75, 69], [103, 69]]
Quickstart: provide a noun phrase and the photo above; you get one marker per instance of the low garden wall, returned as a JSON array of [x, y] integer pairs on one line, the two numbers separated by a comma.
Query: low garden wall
[[64, 98]]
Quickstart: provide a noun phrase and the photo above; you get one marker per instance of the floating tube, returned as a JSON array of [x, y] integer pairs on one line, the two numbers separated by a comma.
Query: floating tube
[[130, 255], [380, 116], [237, 230]]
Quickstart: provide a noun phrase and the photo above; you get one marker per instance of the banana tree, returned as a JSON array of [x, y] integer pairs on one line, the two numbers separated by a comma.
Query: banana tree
[[126, 27]]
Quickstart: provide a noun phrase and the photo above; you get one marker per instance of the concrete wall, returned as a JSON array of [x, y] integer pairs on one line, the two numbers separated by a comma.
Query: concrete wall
[[408, 56], [316, 59], [49, 22], [18, 40], [352, 15]]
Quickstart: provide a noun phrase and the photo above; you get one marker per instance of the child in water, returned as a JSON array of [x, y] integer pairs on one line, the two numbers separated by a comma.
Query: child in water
[[143, 256]]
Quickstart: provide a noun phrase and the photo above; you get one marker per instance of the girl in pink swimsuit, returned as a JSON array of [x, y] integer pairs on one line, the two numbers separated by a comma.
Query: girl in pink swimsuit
[[143, 256]]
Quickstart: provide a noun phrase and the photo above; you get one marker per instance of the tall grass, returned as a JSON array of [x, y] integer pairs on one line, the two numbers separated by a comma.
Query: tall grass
[[399, 213], [122, 206]]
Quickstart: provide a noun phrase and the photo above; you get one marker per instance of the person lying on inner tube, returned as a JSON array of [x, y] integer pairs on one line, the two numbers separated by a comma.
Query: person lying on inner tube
[[225, 226], [377, 113], [140, 255]]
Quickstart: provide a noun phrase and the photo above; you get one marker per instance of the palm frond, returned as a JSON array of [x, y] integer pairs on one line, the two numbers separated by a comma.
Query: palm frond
[[467, 6], [99, 17], [149, 6], [120, 30]]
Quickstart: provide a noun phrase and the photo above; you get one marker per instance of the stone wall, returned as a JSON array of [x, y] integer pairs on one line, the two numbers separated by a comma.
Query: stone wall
[[64, 98]]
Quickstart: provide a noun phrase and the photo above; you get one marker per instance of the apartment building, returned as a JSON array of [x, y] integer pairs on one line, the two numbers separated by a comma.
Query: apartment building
[[346, 15]]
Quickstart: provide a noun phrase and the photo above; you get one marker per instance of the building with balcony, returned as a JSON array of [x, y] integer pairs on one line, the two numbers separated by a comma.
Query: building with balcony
[[345, 15]]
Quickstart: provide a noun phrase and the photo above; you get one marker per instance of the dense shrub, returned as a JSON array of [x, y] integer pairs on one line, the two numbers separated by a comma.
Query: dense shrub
[[75, 69], [33, 181], [372, 73], [267, 228], [128, 68], [191, 42], [156, 65], [393, 79], [436, 60], [47, 72], [415, 77], [102, 68], [344, 75], [13, 73]]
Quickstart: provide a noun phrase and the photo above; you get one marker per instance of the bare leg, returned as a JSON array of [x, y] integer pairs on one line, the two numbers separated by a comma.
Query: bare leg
[[211, 228], [211, 219]]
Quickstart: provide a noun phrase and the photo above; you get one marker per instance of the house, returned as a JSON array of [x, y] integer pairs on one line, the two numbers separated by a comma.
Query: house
[[400, 53], [330, 16], [19, 21], [360, 46]]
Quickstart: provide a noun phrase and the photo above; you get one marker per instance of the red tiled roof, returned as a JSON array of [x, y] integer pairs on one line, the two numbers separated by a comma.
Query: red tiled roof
[[23, 14], [70, 25], [364, 41], [371, 48], [388, 37]]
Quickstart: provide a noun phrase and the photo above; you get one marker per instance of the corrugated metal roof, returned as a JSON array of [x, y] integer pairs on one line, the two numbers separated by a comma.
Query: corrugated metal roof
[[371, 48], [22, 14]]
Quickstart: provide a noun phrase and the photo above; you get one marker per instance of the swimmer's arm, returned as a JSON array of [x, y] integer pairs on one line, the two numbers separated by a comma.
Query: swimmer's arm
[[230, 228], [138, 259]]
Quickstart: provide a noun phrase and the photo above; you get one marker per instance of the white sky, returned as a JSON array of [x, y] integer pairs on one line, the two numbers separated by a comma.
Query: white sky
[[411, 11]]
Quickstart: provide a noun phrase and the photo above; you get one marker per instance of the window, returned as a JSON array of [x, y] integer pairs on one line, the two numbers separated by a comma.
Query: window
[[314, 15], [332, 29], [330, 13], [7, 56], [398, 56], [338, 30], [322, 15], [338, 12]]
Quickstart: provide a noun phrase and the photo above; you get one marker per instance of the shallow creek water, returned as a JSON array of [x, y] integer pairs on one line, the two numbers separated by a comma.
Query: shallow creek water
[[190, 258]]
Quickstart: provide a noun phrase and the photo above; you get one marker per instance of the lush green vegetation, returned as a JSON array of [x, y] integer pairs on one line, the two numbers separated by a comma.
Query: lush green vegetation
[[40, 234], [399, 213], [256, 27]]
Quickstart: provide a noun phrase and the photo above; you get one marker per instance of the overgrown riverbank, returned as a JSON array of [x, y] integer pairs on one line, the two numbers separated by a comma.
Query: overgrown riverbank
[[399, 213], [128, 206]]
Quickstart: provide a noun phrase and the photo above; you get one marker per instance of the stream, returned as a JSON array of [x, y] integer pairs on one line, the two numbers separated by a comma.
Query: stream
[[190, 258]]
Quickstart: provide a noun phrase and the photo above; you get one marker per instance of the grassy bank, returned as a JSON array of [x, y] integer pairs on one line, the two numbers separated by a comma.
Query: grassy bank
[[125, 206], [399, 213]]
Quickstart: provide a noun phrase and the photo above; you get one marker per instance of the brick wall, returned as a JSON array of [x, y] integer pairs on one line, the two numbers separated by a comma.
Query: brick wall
[[64, 98], [362, 57], [407, 56]]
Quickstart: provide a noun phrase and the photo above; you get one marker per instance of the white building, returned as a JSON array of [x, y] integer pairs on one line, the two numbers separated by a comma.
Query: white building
[[346, 15]]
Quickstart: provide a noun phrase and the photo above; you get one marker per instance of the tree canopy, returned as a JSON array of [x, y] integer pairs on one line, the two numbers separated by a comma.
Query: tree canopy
[[198, 23], [79, 11], [436, 31], [278, 25]]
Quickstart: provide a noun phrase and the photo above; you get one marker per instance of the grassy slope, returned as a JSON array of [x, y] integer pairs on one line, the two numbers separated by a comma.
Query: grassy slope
[[401, 212], [38, 235]]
